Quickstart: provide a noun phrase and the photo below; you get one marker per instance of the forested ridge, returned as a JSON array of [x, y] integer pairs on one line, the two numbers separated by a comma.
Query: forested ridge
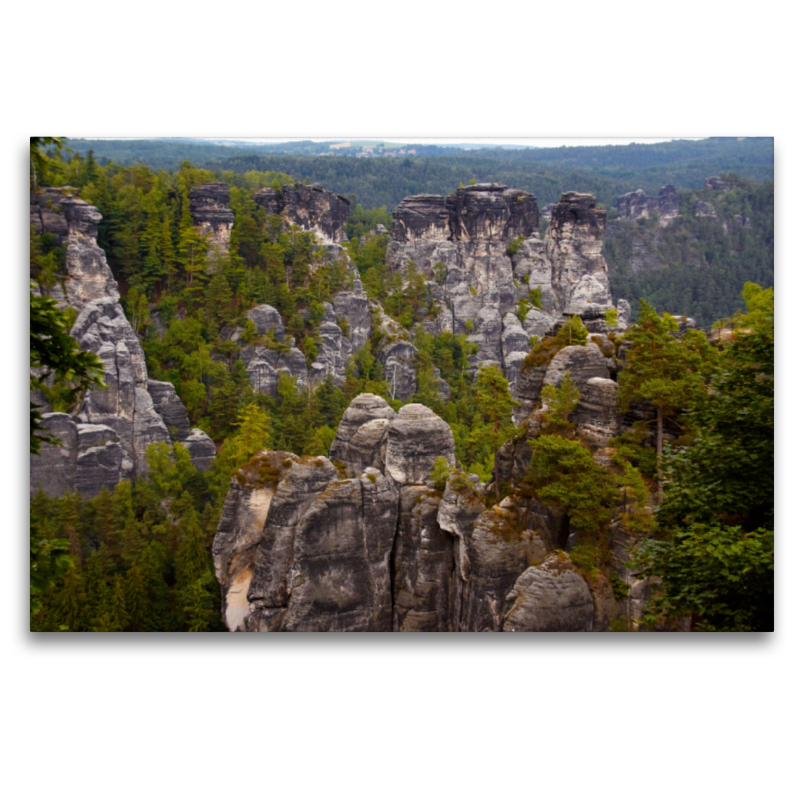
[[697, 263], [604, 171], [138, 558]]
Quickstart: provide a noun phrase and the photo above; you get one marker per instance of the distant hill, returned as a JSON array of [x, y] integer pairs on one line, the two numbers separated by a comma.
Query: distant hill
[[605, 171]]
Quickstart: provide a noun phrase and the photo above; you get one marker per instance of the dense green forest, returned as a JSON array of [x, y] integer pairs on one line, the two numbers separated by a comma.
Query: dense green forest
[[696, 265], [605, 171], [138, 558]]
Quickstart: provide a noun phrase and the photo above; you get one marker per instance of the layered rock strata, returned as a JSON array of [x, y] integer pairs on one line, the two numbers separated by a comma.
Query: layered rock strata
[[636, 205], [313, 208], [105, 439], [368, 544], [483, 259], [212, 214]]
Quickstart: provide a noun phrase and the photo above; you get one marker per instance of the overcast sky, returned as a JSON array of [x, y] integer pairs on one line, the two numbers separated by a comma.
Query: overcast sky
[[529, 141]]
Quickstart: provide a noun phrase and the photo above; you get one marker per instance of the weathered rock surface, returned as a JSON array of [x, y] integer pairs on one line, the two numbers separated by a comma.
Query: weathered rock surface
[[313, 208], [201, 448], [573, 245], [716, 184], [321, 560], [88, 459], [241, 528], [635, 205], [136, 410], [300, 548], [170, 408], [423, 564], [361, 437], [416, 438], [550, 597], [211, 212], [497, 552], [583, 363], [267, 320], [597, 415], [481, 254]]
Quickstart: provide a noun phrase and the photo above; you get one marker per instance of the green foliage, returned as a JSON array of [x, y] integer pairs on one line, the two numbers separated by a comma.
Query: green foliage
[[494, 404], [610, 317], [535, 297], [55, 355], [604, 171], [696, 265], [441, 472], [663, 370], [514, 245], [721, 575], [716, 557], [559, 402], [562, 472]]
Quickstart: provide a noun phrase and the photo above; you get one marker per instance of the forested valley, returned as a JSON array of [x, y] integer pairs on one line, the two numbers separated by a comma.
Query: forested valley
[[623, 458]]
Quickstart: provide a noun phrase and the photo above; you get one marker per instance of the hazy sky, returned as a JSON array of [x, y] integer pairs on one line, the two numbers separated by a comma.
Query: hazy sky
[[529, 141]]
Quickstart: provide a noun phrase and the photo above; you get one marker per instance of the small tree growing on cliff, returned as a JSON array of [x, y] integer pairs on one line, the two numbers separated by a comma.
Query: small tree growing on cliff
[[663, 370], [494, 406]]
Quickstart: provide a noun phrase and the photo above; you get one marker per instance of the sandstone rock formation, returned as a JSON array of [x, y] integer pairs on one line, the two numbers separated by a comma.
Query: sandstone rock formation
[[635, 205], [313, 208], [211, 213], [105, 439], [550, 597], [299, 547], [481, 254], [716, 184]]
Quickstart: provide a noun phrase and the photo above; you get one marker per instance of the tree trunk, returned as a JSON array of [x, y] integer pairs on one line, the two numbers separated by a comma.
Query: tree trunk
[[496, 478], [659, 450]]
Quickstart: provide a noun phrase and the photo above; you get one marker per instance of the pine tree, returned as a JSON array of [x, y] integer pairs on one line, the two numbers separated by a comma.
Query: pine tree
[[495, 404], [118, 612], [137, 603], [663, 370]]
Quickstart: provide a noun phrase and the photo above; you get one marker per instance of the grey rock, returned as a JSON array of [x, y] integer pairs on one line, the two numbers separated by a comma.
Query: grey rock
[[211, 212], [170, 408], [340, 578], [635, 205], [537, 323], [355, 309], [497, 552], [98, 467], [416, 438], [583, 363], [423, 565], [550, 597], [201, 449], [573, 245], [266, 319], [120, 421], [53, 469], [597, 416], [369, 448], [298, 489], [241, 528], [313, 208]]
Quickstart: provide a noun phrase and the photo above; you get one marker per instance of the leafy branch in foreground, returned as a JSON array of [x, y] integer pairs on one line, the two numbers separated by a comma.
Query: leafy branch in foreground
[[54, 353]]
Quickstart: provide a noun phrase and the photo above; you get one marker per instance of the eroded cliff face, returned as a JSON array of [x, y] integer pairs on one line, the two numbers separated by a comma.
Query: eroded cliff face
[[365, 542], [313, 208], [481, 253], [103, 440], [212, 214], [636, 205]]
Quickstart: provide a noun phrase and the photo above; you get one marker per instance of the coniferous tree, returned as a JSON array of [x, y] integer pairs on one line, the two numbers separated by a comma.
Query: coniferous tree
[[495, 404], [661, 369]]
